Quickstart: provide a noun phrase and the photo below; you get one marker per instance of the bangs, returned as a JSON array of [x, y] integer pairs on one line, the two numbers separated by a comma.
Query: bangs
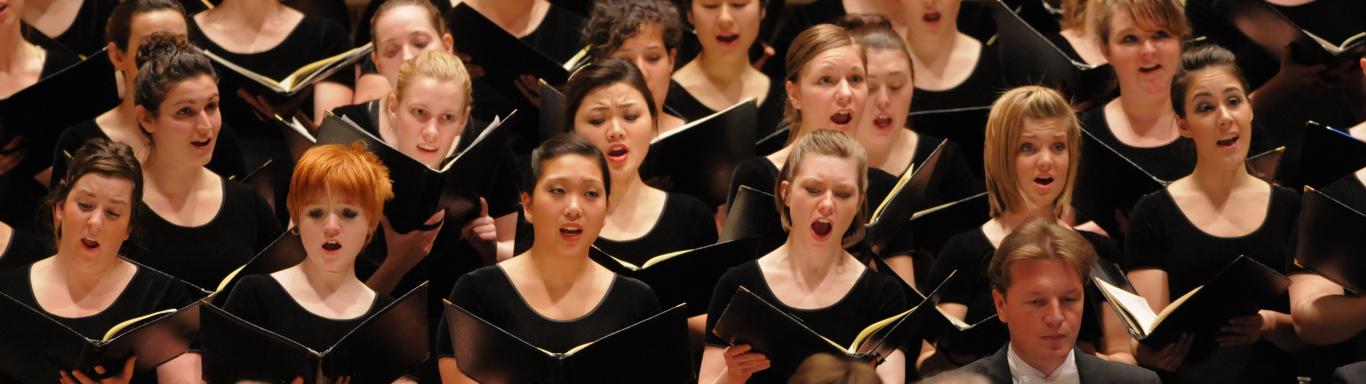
[[351, 174]]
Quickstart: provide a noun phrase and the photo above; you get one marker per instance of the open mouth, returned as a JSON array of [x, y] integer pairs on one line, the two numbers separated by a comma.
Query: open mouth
[[1043, 180], [821, 228], [201, 143], [883, 122], [1150, 68], [332, 246], [727, 38], [571, 232], [617, 153], [1228, 141], [427, 148], [931, 16], [88, 243], [841, 117]]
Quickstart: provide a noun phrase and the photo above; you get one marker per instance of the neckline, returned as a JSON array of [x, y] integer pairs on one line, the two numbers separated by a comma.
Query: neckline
[[764, 280], [137, 272], [668, 198], [222, 206], [1270, 201], [219, 47], [610, 287], [300, 306]]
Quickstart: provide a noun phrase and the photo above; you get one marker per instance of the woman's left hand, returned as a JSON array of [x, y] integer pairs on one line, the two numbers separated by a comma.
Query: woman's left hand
[[481, 233], [1243, 330], [76, 377]]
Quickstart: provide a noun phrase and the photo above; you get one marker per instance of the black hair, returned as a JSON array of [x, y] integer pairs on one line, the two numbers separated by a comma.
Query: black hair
[[562, 145], [612, 22], [601, 74]]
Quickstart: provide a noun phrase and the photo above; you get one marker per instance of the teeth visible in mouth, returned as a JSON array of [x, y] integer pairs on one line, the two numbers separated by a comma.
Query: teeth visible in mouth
[[200, 143], [571, 231], [841, 117], [426, 148], [1228, 141], [1149, 68], [332, 246]]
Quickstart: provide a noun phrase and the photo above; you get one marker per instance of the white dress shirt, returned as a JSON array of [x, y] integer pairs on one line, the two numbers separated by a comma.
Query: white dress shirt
[[1023, 373]]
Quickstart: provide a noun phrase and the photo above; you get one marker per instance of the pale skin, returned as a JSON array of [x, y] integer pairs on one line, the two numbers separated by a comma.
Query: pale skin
[[1042, 307], [178, 187], [250, 26], [567, 208], [1145, 59], [1042, 168], [87, 275], [1084, 38], [1218, 118], [399, 35], [882, 129], [51, 17], [811, 270], [829, 93], [943, 57], [721, 76], [120, 123]]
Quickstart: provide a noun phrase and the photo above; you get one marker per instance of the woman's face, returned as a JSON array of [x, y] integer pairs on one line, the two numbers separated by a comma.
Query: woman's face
[[822, 199], [889, 98], [1042, 162], [333, 231], [646, 50], [1144, 56], [932, 17], [143, 25], [616, 120], [1218, 117], [93, 220], [430, 116], [568, 205], [726, 27], [830, 91], [401, 34], [186, 127]]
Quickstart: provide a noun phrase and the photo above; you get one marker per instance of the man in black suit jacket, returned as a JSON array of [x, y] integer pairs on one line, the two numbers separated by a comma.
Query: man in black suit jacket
[[1036, 279]]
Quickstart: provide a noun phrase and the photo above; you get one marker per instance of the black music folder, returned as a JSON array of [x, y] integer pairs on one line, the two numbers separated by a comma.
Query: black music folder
[[1034, 60], [687, 276], [1107, 182], [652, 350], [753, 214], [1241, 288], [504, 57], [389, 344], [1331, 240], [699, 156], [75, 94], [419, 190], [37, 346], [909, 195], [1328, 155], [298, 80], [965, 126]]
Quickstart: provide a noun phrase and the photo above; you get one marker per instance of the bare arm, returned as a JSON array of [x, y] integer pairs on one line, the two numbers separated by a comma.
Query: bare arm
[[450, 372], [185, 368], [893, 369], [327, 96], [1322, 313], [931, 360], [1118, 344], [507, 235]]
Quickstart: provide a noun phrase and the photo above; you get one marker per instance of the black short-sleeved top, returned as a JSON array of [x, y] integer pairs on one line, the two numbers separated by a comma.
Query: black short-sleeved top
[[205, 254], [756, 172], [1065, 46], [970, 252], [981, 87], [313, 39], [23, 249], [873, 297], [1162, 237], [1168, 162], [148, 291], [793, 22], [685, 223], [261, 300], [769, 116], [226, 161], [489, 294], [1351, 192], [558, 35], [86, 33], [40, 151], [20, 192]]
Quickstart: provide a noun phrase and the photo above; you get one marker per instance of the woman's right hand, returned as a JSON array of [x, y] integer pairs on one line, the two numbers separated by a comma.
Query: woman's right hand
[[1169, 358], [408, 249], [741, 363], [76, 377]]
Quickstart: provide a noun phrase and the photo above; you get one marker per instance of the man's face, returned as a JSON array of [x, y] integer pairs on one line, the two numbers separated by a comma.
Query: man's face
[[1042, 308]]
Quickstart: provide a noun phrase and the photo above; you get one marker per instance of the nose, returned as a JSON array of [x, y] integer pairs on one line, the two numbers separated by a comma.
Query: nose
[[1053, 316], [430, 132], [331, 226], [725, 19], [1149, 46], [204, 123], [826, 205], [883, 99], [573, 211], [615, 131], [409, 52], [94, 224], [844, 93]]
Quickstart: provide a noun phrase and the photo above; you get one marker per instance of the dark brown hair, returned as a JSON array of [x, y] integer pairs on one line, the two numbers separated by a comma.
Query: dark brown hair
[[601, 74], [612, 22], [167, 59], [1204, 57], [120, 25], [874, 31], [102, 157], [562, 145], [433, 15]]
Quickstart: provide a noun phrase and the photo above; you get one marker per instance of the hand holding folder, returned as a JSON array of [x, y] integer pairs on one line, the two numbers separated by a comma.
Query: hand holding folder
[[37, 346]]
